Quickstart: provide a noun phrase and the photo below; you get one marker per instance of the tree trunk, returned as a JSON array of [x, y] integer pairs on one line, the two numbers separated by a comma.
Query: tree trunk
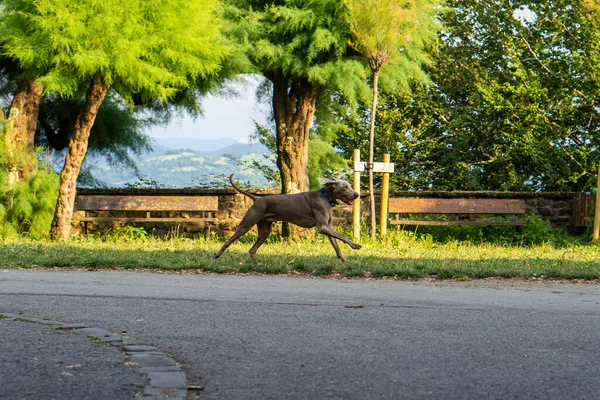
[[61, 225], [22, 122], [294, 105], [371, 146]]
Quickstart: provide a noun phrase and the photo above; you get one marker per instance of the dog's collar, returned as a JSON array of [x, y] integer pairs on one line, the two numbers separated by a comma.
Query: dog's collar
[[332, 202]]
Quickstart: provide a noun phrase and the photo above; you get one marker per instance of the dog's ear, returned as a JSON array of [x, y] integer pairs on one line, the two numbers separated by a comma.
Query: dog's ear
[[325, 181]]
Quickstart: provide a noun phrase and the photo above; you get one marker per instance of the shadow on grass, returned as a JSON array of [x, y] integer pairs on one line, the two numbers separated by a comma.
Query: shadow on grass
[[290, 262]]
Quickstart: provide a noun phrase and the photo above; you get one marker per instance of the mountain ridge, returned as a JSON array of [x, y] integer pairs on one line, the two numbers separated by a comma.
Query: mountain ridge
[[172, 167], [201, 145]]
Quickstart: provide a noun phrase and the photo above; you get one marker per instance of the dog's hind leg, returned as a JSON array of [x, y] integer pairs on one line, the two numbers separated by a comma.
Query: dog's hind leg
[[264, 230], [250, 219]]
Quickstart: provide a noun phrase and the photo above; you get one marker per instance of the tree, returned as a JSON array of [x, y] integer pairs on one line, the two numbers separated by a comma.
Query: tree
[[323, 159], [22, 116], [145, 50], [21, 121], [301, 47], [391, 32]]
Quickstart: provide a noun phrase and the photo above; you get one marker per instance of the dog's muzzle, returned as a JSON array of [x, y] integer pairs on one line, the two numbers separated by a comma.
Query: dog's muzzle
[[350, 200]]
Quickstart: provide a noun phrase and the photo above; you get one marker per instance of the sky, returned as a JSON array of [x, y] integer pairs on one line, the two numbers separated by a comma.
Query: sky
[[223, 117]]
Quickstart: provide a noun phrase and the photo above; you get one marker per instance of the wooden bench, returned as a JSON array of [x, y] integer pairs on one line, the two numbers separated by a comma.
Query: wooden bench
[[149, 206], [459, 208]]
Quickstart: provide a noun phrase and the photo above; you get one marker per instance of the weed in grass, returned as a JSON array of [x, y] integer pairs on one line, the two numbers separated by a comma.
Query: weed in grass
[[353, 271], [321, 270], [272, 269], [302, 267], [127, 234]]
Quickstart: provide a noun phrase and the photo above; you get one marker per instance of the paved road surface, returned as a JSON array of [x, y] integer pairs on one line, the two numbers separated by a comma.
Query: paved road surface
[[298, 338], [39, 362]]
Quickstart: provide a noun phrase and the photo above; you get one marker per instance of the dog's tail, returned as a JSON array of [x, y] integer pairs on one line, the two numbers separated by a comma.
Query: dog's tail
[[253, 197]]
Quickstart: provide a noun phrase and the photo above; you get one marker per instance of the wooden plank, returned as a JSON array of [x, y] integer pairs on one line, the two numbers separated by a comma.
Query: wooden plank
[[360, 166], [134, 219], [148, 203], [407, 205], [457, 223]]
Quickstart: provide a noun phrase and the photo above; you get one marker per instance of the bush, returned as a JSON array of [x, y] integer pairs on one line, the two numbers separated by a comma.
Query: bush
[[128, 234], [28, 207], [537, 231]]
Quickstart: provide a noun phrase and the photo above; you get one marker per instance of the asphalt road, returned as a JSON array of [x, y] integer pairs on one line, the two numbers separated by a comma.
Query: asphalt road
[[41, 363], [249, 337]]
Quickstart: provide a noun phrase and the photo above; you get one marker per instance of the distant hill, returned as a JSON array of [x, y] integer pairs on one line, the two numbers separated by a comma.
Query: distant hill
[[204, 146], [185, 167], [241, 148]]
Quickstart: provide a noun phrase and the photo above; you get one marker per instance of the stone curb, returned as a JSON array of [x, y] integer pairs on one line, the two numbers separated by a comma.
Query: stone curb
[[165, 377]]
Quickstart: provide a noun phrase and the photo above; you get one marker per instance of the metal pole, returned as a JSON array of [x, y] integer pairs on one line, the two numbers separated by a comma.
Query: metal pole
[[385, 195], [597, 211], [356, 204]]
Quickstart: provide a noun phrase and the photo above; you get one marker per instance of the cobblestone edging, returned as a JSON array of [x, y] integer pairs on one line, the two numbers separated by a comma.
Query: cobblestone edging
[[166, 379]]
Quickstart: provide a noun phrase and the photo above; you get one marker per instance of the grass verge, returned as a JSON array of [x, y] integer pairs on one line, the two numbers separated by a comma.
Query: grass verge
[[401, 255]]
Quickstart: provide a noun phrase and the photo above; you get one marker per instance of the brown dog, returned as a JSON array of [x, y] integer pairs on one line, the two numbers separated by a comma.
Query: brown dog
[[307, 209]]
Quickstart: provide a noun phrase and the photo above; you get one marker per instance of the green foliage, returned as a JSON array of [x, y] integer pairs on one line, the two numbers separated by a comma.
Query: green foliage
[[11, 156], [28, 207], [298, 39], [128, 234], [537, 231], [323, 159], [150, 52], [393, 34], [144, 48], [512, 104]]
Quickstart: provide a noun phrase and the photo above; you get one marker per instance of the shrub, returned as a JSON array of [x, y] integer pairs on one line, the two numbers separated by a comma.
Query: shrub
[[537, 231], [28, 207]]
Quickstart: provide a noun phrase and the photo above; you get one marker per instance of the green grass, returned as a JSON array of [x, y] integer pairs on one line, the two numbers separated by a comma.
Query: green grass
[[402, 255]]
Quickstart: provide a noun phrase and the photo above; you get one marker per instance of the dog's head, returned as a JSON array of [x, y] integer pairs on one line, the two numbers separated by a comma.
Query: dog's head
[[339, 189]]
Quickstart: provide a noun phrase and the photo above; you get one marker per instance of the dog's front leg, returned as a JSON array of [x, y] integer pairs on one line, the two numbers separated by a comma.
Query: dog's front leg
[[327, 230], [336, 247]]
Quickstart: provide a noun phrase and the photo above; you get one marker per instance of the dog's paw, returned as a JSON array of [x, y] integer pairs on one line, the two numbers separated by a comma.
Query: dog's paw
[[356, 246]]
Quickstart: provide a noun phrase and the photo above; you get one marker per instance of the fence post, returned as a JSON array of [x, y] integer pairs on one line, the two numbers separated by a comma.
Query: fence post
[[597, 211], [385, 195], [356, 203]]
